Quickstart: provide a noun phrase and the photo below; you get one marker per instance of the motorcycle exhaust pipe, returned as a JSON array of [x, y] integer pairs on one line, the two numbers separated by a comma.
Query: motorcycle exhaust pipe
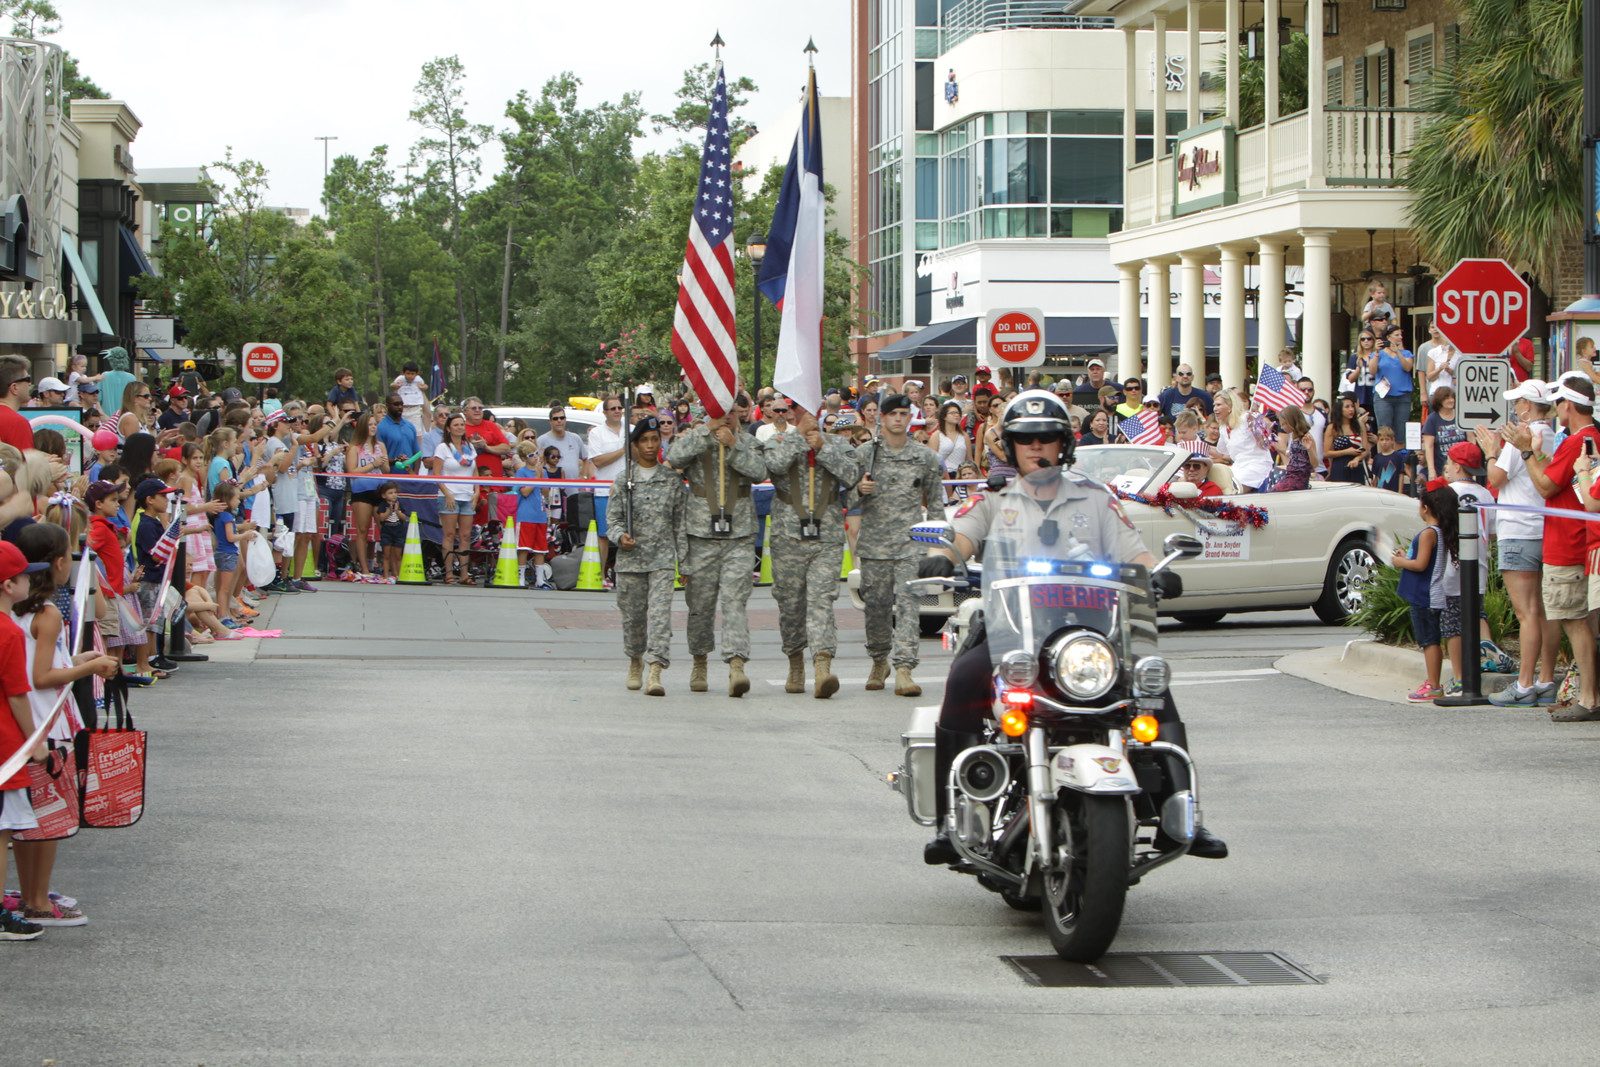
[[982, 773]]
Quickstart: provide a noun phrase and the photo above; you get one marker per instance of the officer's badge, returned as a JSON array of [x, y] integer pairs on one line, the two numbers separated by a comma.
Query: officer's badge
[[1034, 407], [1009, 516], [1080, 521], [1116, 508]]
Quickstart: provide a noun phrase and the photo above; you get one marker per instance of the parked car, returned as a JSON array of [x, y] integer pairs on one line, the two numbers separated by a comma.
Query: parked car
[[1316, 550], [579, 421]]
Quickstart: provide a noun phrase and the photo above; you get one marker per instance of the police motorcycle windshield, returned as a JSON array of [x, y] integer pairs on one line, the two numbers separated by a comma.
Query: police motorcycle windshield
[[1040, 582]]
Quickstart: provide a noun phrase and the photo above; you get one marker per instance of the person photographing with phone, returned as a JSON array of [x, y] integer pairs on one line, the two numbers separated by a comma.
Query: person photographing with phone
[[1391, 367]]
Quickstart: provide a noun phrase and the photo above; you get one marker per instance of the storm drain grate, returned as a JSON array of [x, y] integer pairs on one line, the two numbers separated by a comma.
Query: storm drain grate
[[1117, 969]]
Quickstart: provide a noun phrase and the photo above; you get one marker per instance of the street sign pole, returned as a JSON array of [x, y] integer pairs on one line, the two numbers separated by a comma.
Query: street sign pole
[[1468, 548]]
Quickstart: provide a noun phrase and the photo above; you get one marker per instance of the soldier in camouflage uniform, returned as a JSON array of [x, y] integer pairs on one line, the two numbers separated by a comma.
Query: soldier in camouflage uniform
[[721, 461], [900, 486], [807, 468], [650, 507]]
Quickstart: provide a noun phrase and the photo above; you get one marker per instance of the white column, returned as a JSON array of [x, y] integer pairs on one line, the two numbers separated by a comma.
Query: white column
[[1192, 78], [1158, 62], [1270, 332], [1316, 346], [1192, 299], [1316, 98], [1130, 95], [1128, 362], [1231, 345], [1158, 369], [1230, 50], [1270, 85]]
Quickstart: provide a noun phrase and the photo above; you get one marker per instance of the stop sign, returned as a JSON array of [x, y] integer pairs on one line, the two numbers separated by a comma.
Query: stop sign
[[1481, 306], [1015, 337], [261, 363]]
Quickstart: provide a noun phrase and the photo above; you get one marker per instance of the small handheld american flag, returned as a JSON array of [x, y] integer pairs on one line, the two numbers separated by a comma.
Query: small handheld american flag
[[1276, 391], [1142, 429], [163, 549]]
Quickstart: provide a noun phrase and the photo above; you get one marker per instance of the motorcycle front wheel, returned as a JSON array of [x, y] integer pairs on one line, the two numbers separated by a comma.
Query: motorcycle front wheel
[[1083, 901]]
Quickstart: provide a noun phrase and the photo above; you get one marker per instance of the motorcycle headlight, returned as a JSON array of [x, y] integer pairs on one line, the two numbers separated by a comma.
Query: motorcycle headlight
[[1151, 676], [1019, 668], [1085, 667]]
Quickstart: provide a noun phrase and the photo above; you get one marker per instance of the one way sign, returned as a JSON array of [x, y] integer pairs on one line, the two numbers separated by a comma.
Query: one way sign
[[1481, 385]]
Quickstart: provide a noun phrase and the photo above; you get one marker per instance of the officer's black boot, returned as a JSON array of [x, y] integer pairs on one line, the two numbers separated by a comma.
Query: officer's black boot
[[1206, 845], [947, 745]]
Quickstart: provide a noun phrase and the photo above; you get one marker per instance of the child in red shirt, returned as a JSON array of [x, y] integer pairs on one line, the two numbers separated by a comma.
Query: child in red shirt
[[16, 813]]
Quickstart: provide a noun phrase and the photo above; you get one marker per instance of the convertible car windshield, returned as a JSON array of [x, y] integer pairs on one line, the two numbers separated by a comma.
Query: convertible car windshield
[[1126, 467]]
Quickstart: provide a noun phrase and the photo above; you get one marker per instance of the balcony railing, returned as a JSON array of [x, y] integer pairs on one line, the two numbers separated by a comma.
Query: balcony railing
[[967, 17], [1365, 146]]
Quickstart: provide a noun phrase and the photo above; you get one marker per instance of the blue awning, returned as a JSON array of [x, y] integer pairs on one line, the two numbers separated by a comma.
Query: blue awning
[[86, 293], [1063, 336], [134, 261]]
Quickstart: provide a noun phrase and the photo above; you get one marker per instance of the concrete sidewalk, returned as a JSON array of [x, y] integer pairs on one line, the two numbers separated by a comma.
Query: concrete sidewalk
[[1367, 668]]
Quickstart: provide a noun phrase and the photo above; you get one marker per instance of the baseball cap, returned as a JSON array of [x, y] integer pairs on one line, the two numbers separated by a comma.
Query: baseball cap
[[188, 364], [104, 440], [1097, 363], [276, 417], [958, 378], [47, 385], [177, 391], [151, 487], [873, 381], [98, 491], [1468, 455], [1213, 377], [913, 384], [985, 371], [13, 562], [1533, 389], [232, 395], [1062, 386]]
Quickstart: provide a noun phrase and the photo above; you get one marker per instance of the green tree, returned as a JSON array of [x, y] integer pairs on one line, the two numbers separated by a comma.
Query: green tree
[[449, 154], [694, 99], [358, 195], [254, 275], [1292, 59], [1499, 172]]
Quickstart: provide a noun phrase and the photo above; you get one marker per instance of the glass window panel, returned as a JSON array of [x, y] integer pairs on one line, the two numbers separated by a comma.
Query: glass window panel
[[1093, 123], [1177, 121], [927, 236], [927, 44], [988, 125], [1144, 123], [927, 144], [1143, 149], [1038, 122], [1016, 122], [957, 170], [1086, 170], [927, 188], [924, 101], [994, 171], [927, 12], [1038, 222]]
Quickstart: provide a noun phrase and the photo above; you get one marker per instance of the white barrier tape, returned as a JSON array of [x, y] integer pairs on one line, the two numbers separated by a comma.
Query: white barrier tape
[[582, 483], [1529, 509]]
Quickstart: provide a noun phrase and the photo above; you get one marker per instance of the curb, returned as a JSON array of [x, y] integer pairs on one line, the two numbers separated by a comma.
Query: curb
[[1367, 668]]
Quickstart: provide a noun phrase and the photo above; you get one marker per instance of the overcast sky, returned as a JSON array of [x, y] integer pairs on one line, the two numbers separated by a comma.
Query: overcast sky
[[268, 76]]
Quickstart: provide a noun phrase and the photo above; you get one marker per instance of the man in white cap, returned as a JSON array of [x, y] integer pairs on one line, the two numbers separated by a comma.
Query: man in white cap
[[49, 393], [1087, 394], [960, 392]]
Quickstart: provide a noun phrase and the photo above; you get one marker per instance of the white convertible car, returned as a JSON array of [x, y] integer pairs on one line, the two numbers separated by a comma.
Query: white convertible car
[[1315, 550]]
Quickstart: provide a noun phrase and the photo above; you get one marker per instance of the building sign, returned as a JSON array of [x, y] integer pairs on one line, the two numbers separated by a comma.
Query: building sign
[[46, 303], [153, 332], [953, 296], [1175, 77], [1205, 168]]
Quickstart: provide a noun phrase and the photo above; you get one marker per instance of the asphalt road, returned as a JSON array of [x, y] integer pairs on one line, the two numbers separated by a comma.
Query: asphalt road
[[431, 827]]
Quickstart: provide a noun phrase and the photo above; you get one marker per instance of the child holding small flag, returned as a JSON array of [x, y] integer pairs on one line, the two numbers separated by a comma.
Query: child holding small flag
[[155, 540]]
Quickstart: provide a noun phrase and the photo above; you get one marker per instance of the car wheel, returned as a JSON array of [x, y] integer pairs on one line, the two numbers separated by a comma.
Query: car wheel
[[1200, 618], [1342, 590]]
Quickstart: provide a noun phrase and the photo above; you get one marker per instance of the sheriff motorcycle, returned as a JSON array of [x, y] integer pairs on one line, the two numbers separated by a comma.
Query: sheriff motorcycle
[[1073, 797]]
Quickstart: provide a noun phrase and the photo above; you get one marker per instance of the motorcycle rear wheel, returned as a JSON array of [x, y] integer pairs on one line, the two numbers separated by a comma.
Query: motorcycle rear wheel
[[1083, 904]]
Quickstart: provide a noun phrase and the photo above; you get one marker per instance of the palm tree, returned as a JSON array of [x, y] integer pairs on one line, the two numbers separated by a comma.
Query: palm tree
[[1500, 172]]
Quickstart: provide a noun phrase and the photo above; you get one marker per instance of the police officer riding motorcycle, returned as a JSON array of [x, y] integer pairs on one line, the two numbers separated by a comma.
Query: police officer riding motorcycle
[[1057, 712]]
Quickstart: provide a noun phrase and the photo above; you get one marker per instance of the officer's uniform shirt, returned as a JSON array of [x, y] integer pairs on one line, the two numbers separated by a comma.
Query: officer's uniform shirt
[[1083, 510]]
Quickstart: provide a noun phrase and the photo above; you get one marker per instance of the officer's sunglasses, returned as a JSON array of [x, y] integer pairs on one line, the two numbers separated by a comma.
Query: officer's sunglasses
[[1036, 438]]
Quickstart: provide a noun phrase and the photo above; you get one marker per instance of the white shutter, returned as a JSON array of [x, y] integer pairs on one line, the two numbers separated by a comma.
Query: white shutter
[[1358, 74], [1386, 78]]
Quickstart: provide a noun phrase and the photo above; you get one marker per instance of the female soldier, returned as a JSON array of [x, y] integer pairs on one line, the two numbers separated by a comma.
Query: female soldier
[[649, 505]]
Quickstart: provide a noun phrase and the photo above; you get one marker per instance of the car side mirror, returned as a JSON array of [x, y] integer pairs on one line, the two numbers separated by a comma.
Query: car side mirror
[[1184, 491], [1184, 546]]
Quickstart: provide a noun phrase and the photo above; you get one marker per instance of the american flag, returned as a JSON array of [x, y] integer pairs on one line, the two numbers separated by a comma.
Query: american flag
[[1276, 392], [436, 382], [1143, 428], [703, 328], [1199, 446], [163, 549]]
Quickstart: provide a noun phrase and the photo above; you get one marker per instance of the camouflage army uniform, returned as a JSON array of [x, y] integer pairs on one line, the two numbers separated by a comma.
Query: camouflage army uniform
[[719, 568], [908, 489], [805, 574], [644, 572]]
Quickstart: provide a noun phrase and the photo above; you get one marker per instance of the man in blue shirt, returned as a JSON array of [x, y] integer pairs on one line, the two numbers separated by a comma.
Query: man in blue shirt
[[399, 437], [1176, 397]]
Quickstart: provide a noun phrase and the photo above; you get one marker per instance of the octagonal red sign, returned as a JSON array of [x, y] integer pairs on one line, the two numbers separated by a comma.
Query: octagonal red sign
[[1481, 306]]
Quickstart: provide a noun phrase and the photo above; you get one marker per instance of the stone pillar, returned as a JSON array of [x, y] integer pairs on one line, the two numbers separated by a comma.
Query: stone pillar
[[1270, 85], [1158, 368], [1316, 346], [1192, 81], [1192, 299], [1130, 95], [1230, 51], [1128, 344], [1316, 100], [1158, 62], [1231, 345], [1270, 332]]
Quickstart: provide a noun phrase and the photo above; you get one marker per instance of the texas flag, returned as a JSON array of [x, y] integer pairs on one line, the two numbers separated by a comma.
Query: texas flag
[[791, 273]]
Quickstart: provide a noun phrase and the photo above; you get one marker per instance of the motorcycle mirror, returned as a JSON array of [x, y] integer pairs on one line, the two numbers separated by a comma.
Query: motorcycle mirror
[[934, 532], [1185, 546], [935, 586]]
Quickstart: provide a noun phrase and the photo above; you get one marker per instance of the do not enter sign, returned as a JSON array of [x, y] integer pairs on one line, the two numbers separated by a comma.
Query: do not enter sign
[[1014, 337], [1481, 306], [261, 363]]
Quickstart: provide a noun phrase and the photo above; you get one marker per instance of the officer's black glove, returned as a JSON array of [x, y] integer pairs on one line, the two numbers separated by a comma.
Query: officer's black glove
[[1166, 585], [940, 566]]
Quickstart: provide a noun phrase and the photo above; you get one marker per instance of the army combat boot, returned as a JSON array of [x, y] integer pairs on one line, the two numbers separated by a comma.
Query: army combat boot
[[652, 684], [738, 684], [903, 685], [697, 675], [826, 684], [635, 669], [880, 673], [796, 682]]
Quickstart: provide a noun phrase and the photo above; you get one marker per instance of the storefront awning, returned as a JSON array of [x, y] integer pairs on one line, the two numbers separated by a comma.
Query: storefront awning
[[86, 293], [1063, 336], [134, 261]]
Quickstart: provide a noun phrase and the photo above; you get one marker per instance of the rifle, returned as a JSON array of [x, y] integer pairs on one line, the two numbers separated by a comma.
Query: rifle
[[627, 457]]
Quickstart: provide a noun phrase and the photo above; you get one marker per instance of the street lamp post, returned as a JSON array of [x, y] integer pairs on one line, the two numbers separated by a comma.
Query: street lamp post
[[325, 140], [756, 249]]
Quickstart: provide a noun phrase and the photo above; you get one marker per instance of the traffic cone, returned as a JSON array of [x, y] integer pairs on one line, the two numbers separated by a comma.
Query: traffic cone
[[506, 573], [765, 577], [590, 577], [844, 572], [412, 571], [677, 577]]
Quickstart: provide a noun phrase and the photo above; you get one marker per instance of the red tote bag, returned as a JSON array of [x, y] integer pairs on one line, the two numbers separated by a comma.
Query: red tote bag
[[53, 789], [113, 770]]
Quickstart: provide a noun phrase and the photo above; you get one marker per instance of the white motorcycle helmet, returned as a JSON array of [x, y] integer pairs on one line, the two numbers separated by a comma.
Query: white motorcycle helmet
[[1037, 411]]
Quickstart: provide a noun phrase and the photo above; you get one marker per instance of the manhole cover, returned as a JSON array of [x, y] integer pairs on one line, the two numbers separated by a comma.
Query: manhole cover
[[1163, 969]]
